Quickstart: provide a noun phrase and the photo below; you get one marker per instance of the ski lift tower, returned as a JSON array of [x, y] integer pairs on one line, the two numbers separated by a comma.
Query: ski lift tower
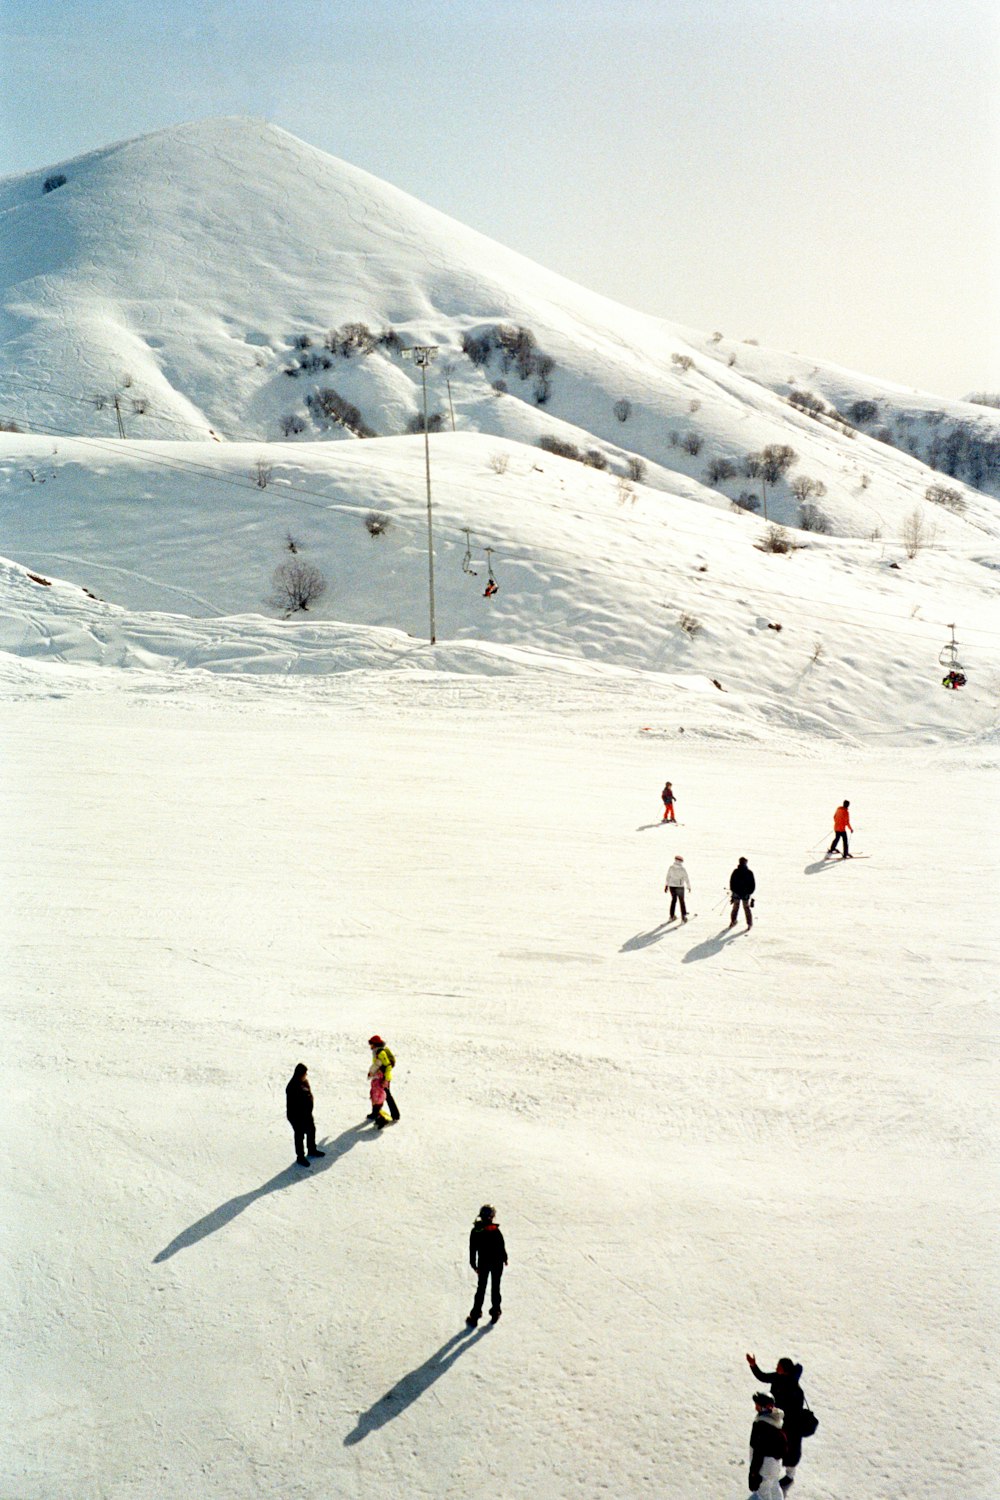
[[422, 354]]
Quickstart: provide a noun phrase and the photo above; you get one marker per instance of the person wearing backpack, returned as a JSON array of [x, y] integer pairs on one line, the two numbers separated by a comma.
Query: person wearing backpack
[[790, 1398], [383, 1062], [487, 1257]]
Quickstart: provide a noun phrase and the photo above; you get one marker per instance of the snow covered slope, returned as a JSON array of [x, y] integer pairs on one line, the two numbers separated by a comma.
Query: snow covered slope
[[234, 840], [185, 270], [843, 635], [699, 1142]]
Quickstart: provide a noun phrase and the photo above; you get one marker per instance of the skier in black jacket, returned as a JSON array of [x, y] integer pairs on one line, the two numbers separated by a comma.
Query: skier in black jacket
[[741, 887], [299, 1110], [767, 1450], [487, 1257], [789, 1397]]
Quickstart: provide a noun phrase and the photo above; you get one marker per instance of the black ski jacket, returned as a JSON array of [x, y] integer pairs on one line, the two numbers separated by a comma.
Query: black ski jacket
[[299, 1101], [742, 885], [788, 1395], [486, 1247], [766, 1441]]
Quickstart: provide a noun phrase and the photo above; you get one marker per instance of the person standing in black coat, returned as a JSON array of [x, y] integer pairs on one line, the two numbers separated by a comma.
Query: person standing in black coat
[[741, 887], [767, 1450], [487, 1257], [790, 1398], [299, 1111]]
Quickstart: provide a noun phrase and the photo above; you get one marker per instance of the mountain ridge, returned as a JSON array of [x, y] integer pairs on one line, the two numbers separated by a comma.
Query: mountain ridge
[[181, 268]]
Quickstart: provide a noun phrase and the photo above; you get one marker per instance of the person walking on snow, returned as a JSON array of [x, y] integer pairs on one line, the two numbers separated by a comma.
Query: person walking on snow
[[667, 797], [767, 1449], [790, 1398], [487, 1257], [677, 879], [841, 826], [383, 1063], [741, 887], [299, 1112]]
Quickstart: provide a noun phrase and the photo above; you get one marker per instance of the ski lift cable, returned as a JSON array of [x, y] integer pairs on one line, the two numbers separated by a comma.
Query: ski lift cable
[[134, 450], [51, 390]]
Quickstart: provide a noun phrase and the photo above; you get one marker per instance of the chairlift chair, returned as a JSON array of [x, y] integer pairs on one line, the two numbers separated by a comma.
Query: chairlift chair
[[954, 676]]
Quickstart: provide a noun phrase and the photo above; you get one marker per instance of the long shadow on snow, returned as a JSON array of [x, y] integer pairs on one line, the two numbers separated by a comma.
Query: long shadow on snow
[[712, 945], [821, 864], [644, 939], [220, 1217], [412, 1386]]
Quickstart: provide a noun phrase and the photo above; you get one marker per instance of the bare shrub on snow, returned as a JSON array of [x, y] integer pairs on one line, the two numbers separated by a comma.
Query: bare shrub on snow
[[719, 470], [559, 446], [812, 518], [915, 533], [296, 585], [435, 422], [943, 494], [776, 539]]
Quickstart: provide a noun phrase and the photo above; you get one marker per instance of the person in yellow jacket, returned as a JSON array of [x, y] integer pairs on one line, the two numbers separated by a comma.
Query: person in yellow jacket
[[383, 1063]]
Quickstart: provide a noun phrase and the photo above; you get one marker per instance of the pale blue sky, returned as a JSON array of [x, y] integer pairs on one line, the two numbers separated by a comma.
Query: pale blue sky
[[821, 176]]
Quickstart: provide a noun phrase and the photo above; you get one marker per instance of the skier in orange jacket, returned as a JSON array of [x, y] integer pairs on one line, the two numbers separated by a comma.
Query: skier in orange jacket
[[841, 825]]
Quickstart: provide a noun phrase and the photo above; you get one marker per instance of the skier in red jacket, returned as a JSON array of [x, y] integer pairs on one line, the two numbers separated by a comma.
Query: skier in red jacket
[[841, 826]]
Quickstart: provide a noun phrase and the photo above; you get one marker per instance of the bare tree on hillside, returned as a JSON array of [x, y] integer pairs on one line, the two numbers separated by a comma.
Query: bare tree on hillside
[[295, 586], [804, 488], [915, 533], [769, 465]]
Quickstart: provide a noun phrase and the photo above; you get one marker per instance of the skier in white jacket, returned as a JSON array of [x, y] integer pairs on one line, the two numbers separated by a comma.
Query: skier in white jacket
[[677, 879]]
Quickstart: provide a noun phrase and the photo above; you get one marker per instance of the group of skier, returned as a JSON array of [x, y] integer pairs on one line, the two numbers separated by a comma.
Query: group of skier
[[487, 1251], [782, 1419], [299, 1103], [742, 882]]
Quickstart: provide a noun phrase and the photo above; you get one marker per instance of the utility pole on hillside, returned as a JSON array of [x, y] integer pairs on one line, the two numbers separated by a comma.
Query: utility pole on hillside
[[422, 354]]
